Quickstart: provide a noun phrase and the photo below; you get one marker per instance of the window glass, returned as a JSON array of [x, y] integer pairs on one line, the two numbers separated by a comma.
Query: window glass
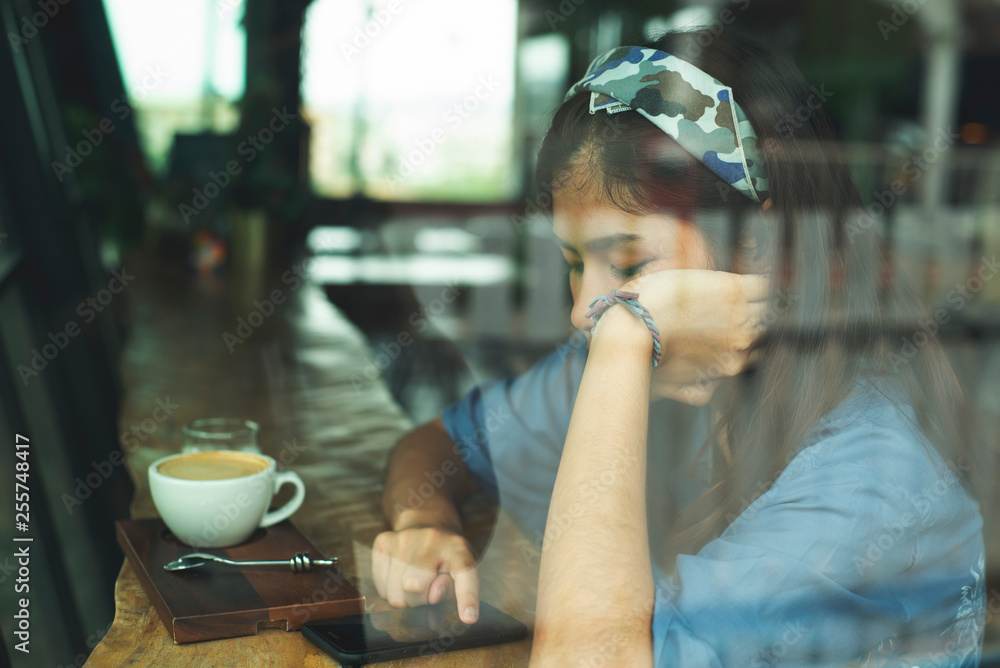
[[409, 100], [183, 64]]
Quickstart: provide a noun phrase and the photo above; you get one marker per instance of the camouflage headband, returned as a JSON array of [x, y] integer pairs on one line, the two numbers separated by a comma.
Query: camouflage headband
[[677, 97]]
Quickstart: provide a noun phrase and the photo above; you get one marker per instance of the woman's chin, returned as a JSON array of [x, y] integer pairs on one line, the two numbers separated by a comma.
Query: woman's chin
[[695, 394]]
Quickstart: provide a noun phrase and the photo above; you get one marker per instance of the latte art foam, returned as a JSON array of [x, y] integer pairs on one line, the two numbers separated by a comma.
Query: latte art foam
[[220, 465]]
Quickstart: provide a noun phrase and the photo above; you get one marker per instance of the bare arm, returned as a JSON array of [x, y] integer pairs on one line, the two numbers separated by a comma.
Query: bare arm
[[595, 598], [425, 555], [596, 592], [426, 480]]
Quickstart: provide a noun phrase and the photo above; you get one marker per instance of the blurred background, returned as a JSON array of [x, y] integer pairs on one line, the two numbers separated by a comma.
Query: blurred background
[[386, 149]]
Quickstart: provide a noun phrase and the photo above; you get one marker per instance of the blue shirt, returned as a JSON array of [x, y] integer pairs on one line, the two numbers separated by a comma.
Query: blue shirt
[[865, 548]]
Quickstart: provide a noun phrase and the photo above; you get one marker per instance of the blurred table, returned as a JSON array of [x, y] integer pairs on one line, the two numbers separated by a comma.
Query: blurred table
[[296, 366]]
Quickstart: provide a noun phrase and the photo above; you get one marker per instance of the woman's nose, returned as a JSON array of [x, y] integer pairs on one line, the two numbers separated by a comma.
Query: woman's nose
[[579, 322], [590, 287]]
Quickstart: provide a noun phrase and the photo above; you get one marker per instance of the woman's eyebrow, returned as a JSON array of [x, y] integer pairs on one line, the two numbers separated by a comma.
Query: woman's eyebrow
[[603, 243]]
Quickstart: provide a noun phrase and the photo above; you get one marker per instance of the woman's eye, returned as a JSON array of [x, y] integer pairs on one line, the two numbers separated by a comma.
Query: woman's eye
[[628, 272], [575, 268]]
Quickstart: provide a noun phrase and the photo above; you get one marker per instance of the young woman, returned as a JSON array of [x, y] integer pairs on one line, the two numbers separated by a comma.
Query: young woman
[[805, 495]]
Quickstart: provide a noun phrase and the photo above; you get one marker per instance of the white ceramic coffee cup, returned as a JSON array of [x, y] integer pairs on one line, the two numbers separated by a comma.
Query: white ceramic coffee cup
[[221, 512]]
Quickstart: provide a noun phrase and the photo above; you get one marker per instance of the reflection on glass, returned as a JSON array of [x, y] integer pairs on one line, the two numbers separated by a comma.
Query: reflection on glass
[[409, 104], [183, 63]]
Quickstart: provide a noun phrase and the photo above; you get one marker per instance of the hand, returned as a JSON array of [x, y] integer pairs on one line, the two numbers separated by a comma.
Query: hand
[[425, 564], [707, 321], [412, 624]]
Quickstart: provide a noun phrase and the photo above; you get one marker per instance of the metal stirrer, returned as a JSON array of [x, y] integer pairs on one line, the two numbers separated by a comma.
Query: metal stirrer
[[300, 563]]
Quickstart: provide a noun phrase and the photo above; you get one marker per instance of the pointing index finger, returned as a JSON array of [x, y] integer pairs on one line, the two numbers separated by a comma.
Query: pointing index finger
[[467, 594]]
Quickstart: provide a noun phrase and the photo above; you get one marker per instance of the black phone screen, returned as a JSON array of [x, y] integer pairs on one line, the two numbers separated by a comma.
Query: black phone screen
[[420, 631]]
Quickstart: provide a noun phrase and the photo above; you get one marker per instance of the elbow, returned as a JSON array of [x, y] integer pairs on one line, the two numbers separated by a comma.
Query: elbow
[[575, 642]]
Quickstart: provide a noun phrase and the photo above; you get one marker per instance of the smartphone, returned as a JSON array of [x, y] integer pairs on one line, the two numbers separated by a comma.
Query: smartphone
[[409, 632]]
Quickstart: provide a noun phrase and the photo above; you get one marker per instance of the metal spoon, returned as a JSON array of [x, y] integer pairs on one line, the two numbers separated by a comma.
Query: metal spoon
[[300, 563]]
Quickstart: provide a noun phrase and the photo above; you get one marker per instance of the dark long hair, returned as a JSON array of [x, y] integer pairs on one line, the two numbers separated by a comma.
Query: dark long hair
[[841, 324]]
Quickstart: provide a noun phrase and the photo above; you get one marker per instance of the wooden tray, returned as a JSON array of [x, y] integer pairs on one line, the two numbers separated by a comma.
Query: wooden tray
[[216, 601]]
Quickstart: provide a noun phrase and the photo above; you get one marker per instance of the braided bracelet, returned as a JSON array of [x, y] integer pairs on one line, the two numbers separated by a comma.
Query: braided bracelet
[[629, 300]]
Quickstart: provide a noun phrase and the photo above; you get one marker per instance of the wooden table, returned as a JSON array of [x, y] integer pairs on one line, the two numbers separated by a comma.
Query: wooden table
[[297, 374]]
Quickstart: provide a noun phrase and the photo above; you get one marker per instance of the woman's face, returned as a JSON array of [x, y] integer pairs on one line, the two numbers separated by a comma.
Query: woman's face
[[606, 247]]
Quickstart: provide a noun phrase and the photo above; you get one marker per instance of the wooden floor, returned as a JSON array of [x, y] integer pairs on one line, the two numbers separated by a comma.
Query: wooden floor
[[296, 374]]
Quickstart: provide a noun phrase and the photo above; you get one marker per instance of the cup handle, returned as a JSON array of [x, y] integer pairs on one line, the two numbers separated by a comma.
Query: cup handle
[[286, 510]]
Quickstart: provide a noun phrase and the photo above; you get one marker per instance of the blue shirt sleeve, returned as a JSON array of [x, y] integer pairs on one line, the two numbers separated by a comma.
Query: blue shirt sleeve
[[511, 432], [865, 536]]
